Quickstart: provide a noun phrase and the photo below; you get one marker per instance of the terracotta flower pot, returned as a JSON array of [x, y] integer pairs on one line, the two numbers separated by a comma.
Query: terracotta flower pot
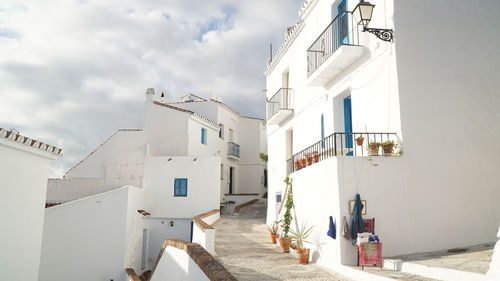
[[359, 142], [374, 148], [274, 237], [297, 164], [315, 156], [303, 162], [303, 256], [309, 159], [388, 149], [285, 244]]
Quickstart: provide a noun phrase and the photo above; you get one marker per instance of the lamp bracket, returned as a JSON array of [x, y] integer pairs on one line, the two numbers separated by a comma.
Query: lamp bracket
[[382, 34]]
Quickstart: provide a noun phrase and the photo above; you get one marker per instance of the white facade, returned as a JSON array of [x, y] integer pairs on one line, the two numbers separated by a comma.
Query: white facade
[[426, 87], [94, 238], [24, 169], [178, 145]]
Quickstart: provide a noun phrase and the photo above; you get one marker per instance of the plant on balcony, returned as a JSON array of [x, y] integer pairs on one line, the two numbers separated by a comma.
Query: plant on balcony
[[303, 162], [309, 158], [297, 164], [315, 156], [263, 157], [359, 140], [373, 148], [273, 231], [285, 240], [299, 238], [388, 147]]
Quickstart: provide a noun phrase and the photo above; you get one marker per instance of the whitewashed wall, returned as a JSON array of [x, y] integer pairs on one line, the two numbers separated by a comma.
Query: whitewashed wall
[[159, 230], [109, 158], [91, 238], [203, 185], [23, 184], [69, 189], [449, 97], [206, 237], [175, 264], [165, 129]]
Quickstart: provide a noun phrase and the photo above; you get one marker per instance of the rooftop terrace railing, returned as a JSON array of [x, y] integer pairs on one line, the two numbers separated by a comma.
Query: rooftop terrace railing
[[345, 144], [282, 99], [341, 31]]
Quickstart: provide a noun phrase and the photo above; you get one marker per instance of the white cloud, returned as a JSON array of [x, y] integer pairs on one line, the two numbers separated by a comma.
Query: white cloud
[[72, 72]]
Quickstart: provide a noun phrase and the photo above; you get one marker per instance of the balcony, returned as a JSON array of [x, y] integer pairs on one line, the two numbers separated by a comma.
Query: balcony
[[279, 107], [335, 50], [233, 150], [346, 144]]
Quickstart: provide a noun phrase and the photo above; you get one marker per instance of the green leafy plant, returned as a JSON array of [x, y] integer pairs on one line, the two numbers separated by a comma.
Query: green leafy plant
[[273, 228], [287, 217], [263, 157], [300, 237]]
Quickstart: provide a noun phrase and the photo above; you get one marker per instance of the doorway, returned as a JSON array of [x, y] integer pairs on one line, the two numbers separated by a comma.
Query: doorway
[[348, 125], [231, 179]]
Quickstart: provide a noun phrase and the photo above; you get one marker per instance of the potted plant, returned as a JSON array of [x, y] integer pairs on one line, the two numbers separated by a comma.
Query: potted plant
[[309, 158], [359, 140], [285, 240], [297, 164], [315, 156], [373, 148], [299, 238], [388, 147], [273, 231], [303, 162]]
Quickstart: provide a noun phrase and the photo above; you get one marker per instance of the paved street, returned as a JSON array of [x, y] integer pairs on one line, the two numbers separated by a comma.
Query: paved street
[[243, 246]]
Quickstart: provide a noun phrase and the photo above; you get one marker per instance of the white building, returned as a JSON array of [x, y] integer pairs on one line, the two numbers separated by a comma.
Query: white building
[[434, 88], [24, 169], [141, 187]]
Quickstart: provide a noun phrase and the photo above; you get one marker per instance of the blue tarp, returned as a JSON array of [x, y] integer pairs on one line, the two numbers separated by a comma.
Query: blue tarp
[[357, 219]]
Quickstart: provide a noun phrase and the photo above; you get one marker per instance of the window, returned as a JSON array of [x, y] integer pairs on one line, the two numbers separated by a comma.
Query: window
[[221, 171], [180, 187], [221, 131], [203, 136], [322, 131]]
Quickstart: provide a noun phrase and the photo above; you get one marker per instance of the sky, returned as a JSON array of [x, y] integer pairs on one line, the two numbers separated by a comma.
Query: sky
[[73, 72]]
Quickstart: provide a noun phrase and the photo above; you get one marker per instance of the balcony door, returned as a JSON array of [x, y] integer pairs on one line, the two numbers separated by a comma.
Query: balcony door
[[348, 124], [341, 30]]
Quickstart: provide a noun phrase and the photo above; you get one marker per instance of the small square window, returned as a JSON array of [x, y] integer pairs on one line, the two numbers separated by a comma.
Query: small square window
[[203, 136], [180, 187]]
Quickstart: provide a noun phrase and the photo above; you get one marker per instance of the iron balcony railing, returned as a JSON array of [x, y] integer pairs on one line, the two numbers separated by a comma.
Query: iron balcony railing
[[281, 100], [341, 31], [343, 144], [233, 149]]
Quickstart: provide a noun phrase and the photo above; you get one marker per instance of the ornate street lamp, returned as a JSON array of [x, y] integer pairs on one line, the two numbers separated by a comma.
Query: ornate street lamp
[[363, 12]]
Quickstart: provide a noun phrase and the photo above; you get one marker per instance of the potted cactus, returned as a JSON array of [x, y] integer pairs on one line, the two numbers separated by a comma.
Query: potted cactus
[[273, 231]]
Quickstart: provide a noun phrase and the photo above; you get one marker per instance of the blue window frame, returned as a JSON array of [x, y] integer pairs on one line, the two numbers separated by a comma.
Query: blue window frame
[[203, 136], [180, 187], [348, 123]]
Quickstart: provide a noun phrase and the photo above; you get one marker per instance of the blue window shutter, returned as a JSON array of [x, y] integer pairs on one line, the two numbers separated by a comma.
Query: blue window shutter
[[180, 187], [203, 135], [348, 121]]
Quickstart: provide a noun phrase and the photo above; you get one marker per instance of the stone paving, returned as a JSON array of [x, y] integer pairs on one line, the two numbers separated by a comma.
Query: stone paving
[[243, 246]]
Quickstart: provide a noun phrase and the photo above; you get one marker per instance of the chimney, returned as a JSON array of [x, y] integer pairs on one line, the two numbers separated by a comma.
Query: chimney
[[150, 94], [163, 97]]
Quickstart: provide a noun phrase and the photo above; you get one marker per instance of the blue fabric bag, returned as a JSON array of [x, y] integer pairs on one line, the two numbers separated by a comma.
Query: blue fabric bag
[[332, 231]]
